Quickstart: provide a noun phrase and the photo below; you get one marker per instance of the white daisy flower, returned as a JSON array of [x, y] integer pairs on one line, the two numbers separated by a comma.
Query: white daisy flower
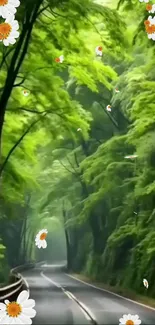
[[19, 312], [146, 284], [40, 239], [8, 7], [25, 92], [131, 157], [151, 36], [151, 20], [108, 108], [116, 90], [130, 319], [60, 59], [150, 8], [8, 31], [98, 50]]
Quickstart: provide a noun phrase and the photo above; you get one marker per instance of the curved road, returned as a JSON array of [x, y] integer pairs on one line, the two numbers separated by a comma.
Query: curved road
[[62, 299]]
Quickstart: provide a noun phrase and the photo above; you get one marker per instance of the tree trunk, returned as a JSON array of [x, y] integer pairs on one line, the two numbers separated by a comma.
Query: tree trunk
[[17, 58], [68, 245], [98, 242], [94, 224], [69, 256]]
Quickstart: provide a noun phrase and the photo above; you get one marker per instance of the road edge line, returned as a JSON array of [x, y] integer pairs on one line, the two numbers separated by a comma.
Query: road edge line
[[112, 293], [49, 280], [26, 284], [73, 298]]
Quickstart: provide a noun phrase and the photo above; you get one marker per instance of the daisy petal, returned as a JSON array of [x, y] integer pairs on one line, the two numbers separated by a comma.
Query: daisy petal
[[25, 320], [44, 244], [5, 42], [23, 296], [29, 312], [122, 321], [2, 306], [2, 315], [5, 320], [30, 303], [6, 302]]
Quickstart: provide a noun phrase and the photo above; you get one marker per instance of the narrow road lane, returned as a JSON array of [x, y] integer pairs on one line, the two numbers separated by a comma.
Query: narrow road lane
[[53, 306], [56, 307]]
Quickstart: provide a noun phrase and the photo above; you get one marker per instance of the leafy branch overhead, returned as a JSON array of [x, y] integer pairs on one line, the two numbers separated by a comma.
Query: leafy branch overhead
[[77, 139]]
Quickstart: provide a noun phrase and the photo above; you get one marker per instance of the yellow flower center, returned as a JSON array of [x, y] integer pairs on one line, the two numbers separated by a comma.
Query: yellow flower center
[[148, 7], [43, 236], [13, 309], [5, 30], [129, 322], [3, 2], [150, 29]]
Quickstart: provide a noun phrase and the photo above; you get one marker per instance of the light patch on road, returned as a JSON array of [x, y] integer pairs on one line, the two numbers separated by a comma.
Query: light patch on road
[[53, 265], [112, 293]]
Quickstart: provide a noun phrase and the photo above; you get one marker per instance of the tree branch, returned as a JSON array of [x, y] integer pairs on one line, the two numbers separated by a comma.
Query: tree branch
[[70, 171], [71, 165], [110, 116], [26, 110], [41, 10], [17, 59], [76, 160], [17, 143], [5, 56], [20, 83], [49, 111]]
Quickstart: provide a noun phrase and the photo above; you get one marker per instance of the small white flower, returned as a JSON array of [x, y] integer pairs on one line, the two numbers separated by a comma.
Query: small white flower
[[152, 8], [40, 239], [19, 312], [79, 129], [108, 108], [151, 36], [98, 50], [116, 90], [145, 282], [8, 7], [151, 20], [8, 31], [130, 319], [60, 59], [25, 93], [131, 157]]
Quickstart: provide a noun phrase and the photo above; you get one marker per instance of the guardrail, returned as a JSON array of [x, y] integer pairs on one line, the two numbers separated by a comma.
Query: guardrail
[[11, 291]]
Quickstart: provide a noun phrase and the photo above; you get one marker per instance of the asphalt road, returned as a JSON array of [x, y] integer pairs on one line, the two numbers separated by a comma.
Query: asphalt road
[[77, 302]]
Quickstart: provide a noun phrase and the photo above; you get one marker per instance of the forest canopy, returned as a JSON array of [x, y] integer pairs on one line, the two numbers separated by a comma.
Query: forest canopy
[[77, 138]]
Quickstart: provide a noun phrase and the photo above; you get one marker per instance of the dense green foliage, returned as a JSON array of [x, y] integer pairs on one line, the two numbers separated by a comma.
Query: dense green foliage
[[63, 165]]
